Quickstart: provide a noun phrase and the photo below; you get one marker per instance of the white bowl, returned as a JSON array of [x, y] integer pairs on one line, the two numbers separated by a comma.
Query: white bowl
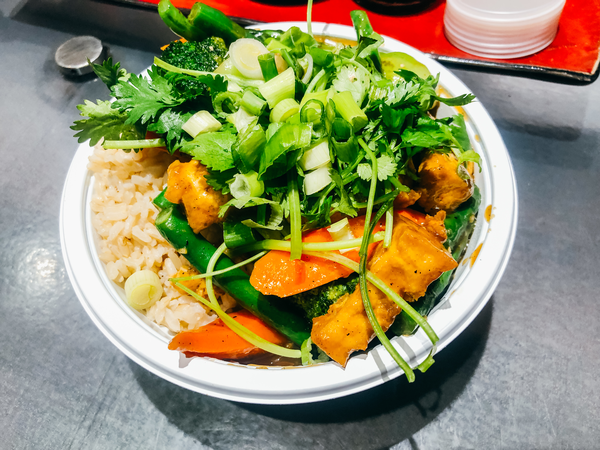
[[146, 343]]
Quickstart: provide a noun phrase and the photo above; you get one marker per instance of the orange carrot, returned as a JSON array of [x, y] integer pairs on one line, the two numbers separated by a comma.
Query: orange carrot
[[217, 340], [276, 274], [416, 216]]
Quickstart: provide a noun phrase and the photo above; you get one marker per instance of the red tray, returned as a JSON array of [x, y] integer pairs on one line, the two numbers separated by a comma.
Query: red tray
[[574, 54]]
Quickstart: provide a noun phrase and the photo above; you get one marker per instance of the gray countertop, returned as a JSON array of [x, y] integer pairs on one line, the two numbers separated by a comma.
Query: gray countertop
[[522, 375]]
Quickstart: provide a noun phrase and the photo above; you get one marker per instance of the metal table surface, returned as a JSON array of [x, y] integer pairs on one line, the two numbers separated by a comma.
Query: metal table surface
[[522, 376]]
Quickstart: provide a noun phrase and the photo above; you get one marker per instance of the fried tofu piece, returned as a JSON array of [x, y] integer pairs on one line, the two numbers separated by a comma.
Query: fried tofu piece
[[186, 184], [440, 186], [413, 260], [406, 199]]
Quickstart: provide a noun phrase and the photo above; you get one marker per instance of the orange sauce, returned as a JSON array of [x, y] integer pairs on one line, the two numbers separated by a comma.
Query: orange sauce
[[488, 213], [475, 254]]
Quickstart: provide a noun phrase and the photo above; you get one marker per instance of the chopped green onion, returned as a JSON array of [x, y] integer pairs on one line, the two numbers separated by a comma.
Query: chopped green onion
[[253, 103], [317, 180], [343, 140], [295, 216], [284, 110], [321, 57], [313, 111], [226, 103], [274, 222], [246, 184], [349, 110], [201, 122], [389, 222], [133, 143], [268, 66], [291, 62], [313, 247], [222, 271], [241, 119], [313, 83], [315, 157], [249, 146], [236, 234], [245, 53], [321, 96], [276, 45], [341, 231], [143, 289], [307, 65], [228, 68], [281, 87]]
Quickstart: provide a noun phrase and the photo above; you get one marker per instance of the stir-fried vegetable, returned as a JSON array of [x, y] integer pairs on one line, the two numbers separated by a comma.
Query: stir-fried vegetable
[[292, 135]]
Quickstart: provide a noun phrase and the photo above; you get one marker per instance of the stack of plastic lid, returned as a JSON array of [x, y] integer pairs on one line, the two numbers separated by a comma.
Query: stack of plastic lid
[[502, 29]]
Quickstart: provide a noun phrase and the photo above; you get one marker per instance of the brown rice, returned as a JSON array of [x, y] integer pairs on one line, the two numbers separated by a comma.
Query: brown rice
[[123, 217]]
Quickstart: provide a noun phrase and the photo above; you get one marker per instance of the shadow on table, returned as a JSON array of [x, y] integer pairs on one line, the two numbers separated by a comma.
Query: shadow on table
[[377, 418]]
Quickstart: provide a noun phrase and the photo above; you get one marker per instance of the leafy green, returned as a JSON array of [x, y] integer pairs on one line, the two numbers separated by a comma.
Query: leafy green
[[144, 98], [104, 122], [109, 74], [279, 156], [213, 149]]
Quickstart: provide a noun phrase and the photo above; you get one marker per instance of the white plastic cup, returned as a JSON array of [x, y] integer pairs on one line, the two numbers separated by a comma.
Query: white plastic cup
[[502, 29]]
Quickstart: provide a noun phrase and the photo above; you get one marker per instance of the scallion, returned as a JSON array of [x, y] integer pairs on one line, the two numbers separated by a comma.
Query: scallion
[[133, 144], [315, 157], [246, 184], [245, 53], [349, 110], [253, 103], [241, 119], [249, 146], [317, 180], [201, 122], [284, 110], [143, 289], [281, 87], [295, 216], [236, 234]]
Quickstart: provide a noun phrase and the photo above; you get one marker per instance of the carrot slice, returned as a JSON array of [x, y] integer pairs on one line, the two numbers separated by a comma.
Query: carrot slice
[[217, 340], [276, 274]]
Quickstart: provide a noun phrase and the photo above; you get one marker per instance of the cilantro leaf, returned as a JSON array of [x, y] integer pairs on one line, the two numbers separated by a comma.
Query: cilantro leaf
[[455, 101], [219, 181], [109, 74], [352, 80], [364, 171], [415, 138], [104, 122], [144, 98], [468, 156], [213, 149], [386, 167], [170, 122], [459, 131]]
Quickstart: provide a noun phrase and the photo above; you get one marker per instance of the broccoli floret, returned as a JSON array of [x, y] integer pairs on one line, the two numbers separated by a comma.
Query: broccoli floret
[[205, 55], [316, 302]]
